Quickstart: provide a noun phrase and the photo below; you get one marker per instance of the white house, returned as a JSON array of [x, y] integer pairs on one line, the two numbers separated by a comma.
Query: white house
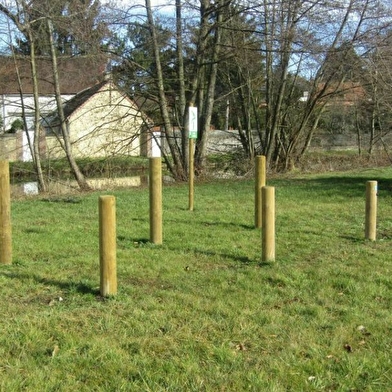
[[100, 119]]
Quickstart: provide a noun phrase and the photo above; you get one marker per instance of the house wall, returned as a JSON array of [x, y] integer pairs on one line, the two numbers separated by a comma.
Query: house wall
[[12, 107], [11, 146], [107, 124], [15, 146]]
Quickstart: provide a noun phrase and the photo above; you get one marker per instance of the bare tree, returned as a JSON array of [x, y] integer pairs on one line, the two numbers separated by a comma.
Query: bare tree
[[377, 103], [301, 40], [76, 33], [199, 86], [177, 167], [301, 49], [210, 74], [22, 22], [63, 126]]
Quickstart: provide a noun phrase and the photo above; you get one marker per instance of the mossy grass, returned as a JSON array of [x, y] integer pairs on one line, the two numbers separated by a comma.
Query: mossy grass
[[202, 312]]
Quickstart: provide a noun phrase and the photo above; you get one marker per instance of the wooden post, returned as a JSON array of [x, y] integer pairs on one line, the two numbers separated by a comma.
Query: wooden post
[[371, 210], [5, 214], [155, 179], [260, 179], [268, 224], [191, 173], [107, 245]]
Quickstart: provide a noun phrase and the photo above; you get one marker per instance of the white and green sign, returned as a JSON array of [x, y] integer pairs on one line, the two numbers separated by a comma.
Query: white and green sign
[[192, 122]]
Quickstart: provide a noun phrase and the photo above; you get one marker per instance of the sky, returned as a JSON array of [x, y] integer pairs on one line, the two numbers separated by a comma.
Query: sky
[[154, 3], [161, 5], [166, 7]]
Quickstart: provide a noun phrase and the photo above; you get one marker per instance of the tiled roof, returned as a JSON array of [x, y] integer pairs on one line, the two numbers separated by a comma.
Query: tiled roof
[[75, 74], [79, 99]]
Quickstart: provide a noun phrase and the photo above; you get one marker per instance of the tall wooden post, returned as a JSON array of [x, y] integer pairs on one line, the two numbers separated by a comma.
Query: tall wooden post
[[5, 214], [191, 173], [155, 179], [260, 179], [371, 210], [268, 225], [107, 245]]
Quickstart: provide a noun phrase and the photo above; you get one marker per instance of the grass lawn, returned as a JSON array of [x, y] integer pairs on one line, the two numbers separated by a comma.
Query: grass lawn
[[202, 312]]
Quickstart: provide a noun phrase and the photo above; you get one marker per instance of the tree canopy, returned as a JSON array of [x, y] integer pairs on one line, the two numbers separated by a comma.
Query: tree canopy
[[270, 70]]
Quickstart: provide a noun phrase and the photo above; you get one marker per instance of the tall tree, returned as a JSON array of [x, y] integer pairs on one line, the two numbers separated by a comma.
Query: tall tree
[[53, 28], [177, 167], [21, 21], [376, 106], [278, 63], [301, 40], [241, 79], [63, 126], [189, 77], [208, 75], [77, 27]]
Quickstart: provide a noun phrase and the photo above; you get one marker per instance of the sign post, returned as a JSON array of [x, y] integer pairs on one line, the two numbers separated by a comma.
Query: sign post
[[192, 136]]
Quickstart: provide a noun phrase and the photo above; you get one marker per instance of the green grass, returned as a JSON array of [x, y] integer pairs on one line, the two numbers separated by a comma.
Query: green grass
[[202, 312]]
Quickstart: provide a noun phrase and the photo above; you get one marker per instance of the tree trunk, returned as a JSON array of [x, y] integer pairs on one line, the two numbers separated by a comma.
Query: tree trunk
[[25, 29], [183, 116], [81, 180], [177, 168], [23, 108], [37, 117], [210, 98]]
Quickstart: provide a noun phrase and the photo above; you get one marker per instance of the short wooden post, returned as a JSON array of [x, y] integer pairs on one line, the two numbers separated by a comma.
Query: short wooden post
[[155, 179], [371, 210], [191, 173], [107, 245], [260, 179], [5, 214], [268, 224]]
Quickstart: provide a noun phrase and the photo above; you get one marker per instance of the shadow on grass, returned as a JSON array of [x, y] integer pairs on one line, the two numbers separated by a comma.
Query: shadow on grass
[[122, 238], [129, 242], [266, 264], [70, 286], [195, 220], [227, 224], [244, 260], [355, 240], [211, 223], [350, 186], [241, 259], [65, 199]]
